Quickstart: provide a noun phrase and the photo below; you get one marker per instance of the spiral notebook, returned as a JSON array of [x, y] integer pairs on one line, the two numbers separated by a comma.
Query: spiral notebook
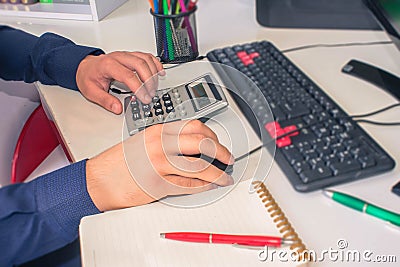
[[131, 237]]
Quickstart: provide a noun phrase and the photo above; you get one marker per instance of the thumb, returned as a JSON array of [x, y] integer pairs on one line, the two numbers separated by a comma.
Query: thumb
[[107, 101]]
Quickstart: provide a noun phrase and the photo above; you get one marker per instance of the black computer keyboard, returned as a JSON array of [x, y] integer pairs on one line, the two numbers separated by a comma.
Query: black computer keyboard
[[329, 149]]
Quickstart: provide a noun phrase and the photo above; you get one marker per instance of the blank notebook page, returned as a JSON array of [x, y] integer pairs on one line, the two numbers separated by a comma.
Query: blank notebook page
[[131, 237]]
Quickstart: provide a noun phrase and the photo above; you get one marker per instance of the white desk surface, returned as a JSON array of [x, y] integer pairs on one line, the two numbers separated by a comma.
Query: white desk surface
[[88, 130]]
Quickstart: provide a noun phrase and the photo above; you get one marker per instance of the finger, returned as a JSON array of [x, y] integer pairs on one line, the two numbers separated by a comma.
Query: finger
[[158, 64], [187, 127], [144, 67], [104, 99], [117, 71], [160, 67], [149, 60], [198, 168], [187, 185], [155, 65], [192, 144], [156, 68]]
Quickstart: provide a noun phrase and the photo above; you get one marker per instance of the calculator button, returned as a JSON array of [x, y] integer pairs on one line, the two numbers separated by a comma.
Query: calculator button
[[134, 104], [135, 109], [148, 114], [160, 118], [139, 123], [157, 105], [176, 94], [168, 103], [159, 111], [178, 100], [146, 108], [136, 116], [166, 97], [171, 115], [183, 112], [169, 109], [149, 120], [155, 99], [133, 98]]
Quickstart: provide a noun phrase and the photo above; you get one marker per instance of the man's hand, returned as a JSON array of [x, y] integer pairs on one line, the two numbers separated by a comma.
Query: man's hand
[[95, 73], [149, 166]]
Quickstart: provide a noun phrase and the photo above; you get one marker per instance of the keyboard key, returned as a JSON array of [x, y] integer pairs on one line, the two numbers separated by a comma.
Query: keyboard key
[[345, 166], [317, 163], [316, 174], [296, 110], [301, 166], [292, 154], [366, 161]]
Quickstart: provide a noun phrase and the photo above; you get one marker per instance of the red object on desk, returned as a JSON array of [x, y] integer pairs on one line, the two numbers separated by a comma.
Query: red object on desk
[[37, 140], [246, 240]]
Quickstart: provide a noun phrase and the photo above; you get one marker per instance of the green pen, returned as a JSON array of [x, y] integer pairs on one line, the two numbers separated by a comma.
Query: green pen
[[363, 206], [168, 30]]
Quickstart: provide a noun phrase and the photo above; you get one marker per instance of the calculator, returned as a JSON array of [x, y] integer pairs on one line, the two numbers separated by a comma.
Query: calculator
[[200, 98]]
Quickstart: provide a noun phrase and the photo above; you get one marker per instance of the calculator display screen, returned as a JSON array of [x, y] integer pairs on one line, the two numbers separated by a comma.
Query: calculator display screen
[[200, 95], [199, 91]]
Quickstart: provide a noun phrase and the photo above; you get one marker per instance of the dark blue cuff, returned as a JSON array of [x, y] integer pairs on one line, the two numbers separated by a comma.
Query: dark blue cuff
[[63, 198], [66, 62], [58, 58]]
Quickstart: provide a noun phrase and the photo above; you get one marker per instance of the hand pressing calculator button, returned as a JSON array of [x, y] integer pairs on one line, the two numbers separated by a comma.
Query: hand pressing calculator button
[[200, 98]]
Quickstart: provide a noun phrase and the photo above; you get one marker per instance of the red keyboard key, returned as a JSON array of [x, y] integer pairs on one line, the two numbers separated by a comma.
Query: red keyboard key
[[271, 127], [291, 128], [248, 62], [241, 54], [254, 55], [279, 132], [284, 141]]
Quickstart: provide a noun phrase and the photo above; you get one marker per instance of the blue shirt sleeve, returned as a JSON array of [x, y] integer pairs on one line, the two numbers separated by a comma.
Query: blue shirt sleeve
[[43, 215], [50, 58]]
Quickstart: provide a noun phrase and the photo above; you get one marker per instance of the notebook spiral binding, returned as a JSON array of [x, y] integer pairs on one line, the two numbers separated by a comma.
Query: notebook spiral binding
[[282, 223]]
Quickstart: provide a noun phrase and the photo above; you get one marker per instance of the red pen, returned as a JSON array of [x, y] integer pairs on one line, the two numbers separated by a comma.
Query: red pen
[[241, 240]]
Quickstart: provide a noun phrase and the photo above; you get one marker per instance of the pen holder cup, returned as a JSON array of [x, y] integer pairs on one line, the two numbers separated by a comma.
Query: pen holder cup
[[176, 36]]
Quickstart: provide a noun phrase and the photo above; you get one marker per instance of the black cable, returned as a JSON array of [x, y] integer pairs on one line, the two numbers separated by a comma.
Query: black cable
[[376, 112], [173, 66], [379, 123], [335, 45], [248, 153], [118, 91]]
